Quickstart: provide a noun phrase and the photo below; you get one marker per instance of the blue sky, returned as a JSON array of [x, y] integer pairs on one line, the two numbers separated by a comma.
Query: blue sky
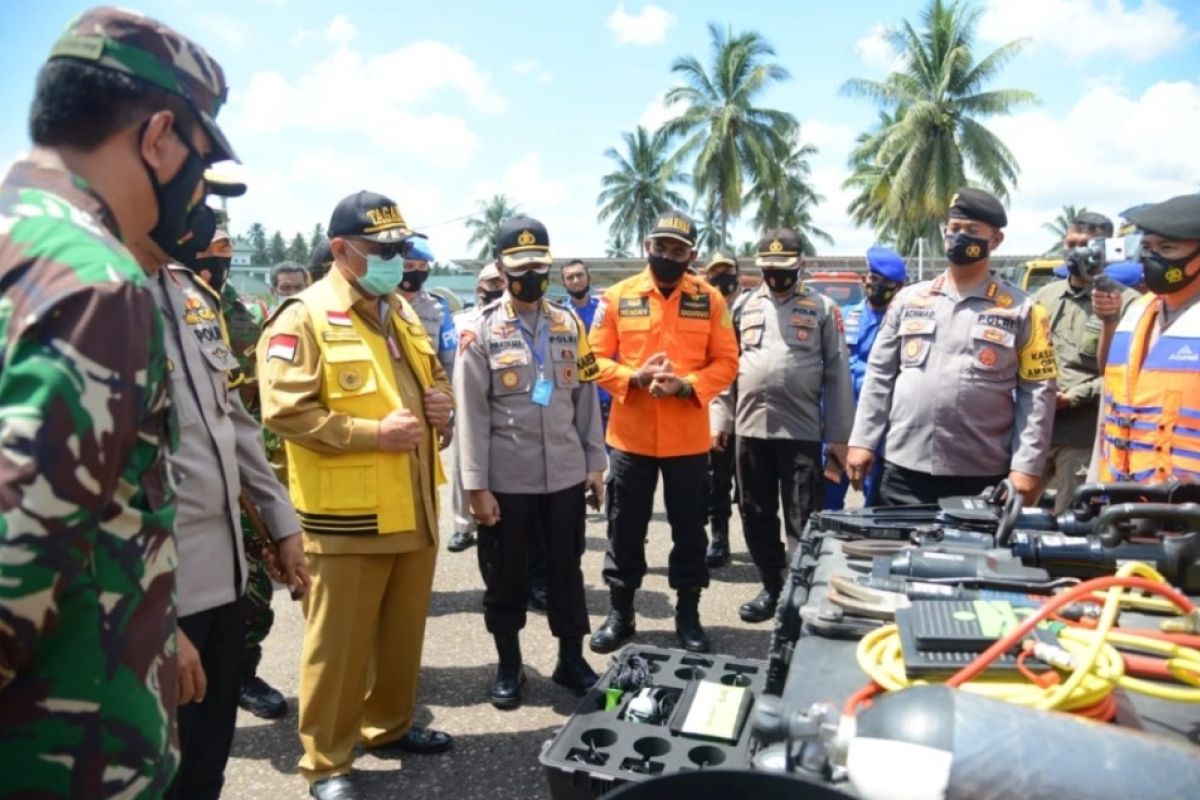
[[442, 104]]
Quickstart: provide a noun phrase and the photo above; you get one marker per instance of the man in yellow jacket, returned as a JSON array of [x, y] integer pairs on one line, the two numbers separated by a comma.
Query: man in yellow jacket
[[351, 382]]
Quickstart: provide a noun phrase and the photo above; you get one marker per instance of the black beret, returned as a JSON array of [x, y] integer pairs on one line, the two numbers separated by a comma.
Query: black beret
[[978, 205], [1177, 218]]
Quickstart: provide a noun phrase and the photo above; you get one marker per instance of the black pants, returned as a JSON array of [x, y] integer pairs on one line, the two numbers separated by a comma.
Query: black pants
[[721, 489], [903, 487], [503, 552], [206, 729], [632, 481], [768, 469]]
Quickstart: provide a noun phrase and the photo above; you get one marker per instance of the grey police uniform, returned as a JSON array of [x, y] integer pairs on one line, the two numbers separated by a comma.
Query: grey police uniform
[[533, 457], [220, 454], [434, 316], [792, 392], [962, 386]]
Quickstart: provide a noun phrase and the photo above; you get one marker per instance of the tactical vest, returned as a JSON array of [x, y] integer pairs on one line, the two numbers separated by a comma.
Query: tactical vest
[[1151, 415], [362, 492]]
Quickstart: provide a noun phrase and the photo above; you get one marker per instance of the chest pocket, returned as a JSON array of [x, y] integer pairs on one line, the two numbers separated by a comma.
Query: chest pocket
[[349, 371], [917, 329], [1091, 339], [564, 358], [751, 328], [421, 338], [509, 363], [993, 353], [803, 329]]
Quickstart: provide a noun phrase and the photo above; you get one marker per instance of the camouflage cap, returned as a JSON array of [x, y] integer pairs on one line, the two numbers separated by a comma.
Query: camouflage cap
[[146, 48]]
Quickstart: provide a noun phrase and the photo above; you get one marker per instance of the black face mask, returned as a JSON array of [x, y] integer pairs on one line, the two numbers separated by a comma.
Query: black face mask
[[529, 287], [413, 280], [490, 295], [726, 283], [780, 280], [1167, 277], [963, 250], [176, 214], [218, 270], [880, 294], [579, 294], [666, 270], [202, 226]]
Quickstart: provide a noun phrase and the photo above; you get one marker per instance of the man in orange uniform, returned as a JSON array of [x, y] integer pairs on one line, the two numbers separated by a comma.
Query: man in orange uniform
[[677, 351], [1150, 413]]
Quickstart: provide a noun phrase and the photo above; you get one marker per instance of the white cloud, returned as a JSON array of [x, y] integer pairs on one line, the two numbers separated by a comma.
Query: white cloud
[[349, 94], [644, 28], [533, 67], [525, 184], [1082, 28], [834, 142], [1110, 151], [875, 50], [658, 111]]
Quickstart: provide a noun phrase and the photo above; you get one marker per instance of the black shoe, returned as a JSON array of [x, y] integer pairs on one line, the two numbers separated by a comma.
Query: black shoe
[[421, 741], [573, 671], [687, 622], [617, 628], [506, 688], [339, 787], [460, 540], [760, 609], [718, 548], [261, 700], [537, 597], [510, 675]]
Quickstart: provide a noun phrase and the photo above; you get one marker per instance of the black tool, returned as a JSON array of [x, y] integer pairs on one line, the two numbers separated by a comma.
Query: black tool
[[957, 567]]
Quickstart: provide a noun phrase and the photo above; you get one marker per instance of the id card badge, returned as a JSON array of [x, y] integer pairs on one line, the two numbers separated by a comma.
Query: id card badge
[[542, 390]]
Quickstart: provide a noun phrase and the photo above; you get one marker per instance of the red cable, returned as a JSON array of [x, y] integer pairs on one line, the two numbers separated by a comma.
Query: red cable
[[1014, 636]]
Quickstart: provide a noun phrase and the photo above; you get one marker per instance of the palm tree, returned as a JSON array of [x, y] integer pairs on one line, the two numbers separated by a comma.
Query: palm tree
[[748, 250], [485, 225], [639, 189], [1059, 227], [921, 153], [709, 236], [735, 141], [788, 202], [618, 246]]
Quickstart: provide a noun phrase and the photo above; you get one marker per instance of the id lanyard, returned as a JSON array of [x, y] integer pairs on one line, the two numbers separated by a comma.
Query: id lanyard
[[542, 388]]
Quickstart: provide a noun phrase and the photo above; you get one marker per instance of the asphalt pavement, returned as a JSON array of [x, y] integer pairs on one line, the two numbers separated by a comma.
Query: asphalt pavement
[[495, 753]]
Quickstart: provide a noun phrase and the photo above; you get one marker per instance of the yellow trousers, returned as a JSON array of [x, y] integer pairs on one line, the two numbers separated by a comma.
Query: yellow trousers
[[361, 661]]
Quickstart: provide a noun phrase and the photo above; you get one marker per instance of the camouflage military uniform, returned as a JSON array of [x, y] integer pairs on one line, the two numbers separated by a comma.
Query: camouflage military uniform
[[243, 336], [87, 609]]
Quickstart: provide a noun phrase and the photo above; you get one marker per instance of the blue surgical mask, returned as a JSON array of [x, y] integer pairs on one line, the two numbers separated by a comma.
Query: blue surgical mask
[[383, 275]]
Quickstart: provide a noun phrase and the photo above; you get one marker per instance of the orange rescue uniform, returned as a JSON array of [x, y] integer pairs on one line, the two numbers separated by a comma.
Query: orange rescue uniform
[[694, 328]]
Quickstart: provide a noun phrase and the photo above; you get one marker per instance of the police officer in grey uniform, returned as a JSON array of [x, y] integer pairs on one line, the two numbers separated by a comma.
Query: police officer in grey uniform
[[962, 375], [792, 392], [489, 285], [531, 446], [433, 311], [220, 455]]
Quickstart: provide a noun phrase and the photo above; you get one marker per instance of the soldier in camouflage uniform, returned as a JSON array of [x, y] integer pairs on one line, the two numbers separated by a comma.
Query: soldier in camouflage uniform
[[122, 121], [257, 696]]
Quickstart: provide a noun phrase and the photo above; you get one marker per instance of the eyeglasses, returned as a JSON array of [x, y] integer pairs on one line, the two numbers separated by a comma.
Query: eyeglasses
[[386, 251]]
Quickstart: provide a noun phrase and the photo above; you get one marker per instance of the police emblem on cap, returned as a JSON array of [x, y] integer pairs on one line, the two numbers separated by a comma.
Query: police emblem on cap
[[776, 247], [526, 238], [350, 378], [509, 379]]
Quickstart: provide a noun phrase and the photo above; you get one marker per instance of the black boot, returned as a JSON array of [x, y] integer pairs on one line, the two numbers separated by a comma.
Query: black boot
[[572, 670], [619, 626], [687, 621], [718, 548], [506, 688], [761, 608]]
